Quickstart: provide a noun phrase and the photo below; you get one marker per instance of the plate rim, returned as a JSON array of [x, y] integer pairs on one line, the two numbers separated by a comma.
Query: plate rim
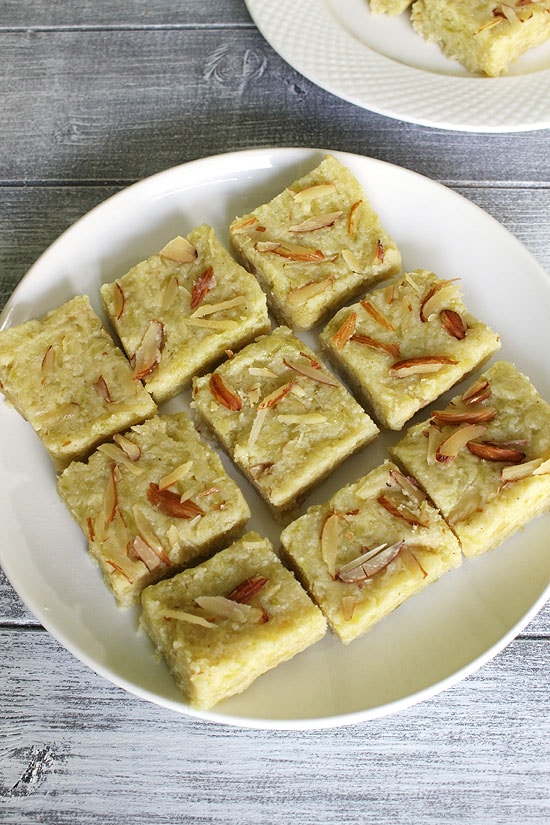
[[302, 723], [434, 104]]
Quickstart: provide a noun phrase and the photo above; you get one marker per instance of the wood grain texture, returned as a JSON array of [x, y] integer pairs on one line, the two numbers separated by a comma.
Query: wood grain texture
[[96, 95]]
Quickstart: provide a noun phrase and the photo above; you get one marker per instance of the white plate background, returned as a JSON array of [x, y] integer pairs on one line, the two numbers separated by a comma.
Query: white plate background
[[381, 64], [433, 640]]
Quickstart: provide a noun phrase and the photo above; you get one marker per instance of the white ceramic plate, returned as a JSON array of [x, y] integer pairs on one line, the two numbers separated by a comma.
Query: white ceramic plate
[[381, 64], [434, 639]]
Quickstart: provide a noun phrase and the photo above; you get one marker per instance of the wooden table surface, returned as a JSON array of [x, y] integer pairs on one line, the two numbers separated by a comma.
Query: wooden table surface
[[94, 96]]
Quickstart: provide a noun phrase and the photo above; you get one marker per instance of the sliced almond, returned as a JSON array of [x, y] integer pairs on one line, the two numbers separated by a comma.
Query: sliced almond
[[457, 440], [391, 349], [202, 285], [378, 316], [117, 558], [170, 503], [318, 190], [468, 504], [221, 306], [419, 365], [225, 608], [315, 373], [379, 252], [369, 564], [345, 331], [48, 363], [408, 485], [301, 294], [351, 260], [148, 556], [400, 509], [349, 603], [255, 430], [535, 467], [175, 475], [302, 419], [223, 395], [435, 299], [102, 389], [352, 217], [490, 451], [262, 372], [218, 324], [473, 415], [179, 250], [275, 396], [110, 498], [169, 293], [132, 450], [479, 391], [147, 532], [186, 616], [453, 323], [119, 301], [148, 354], [248, 589], [292, 252], [243, 225], [316, 222], [329, 542]]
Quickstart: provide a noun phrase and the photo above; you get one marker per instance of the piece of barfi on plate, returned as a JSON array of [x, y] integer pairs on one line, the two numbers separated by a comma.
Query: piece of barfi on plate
[[484, 459], [404, 345], [389, 7], [316, 245], [374, 544], [486, 37], [177, 312], [65, 375], [283, 418], [151, 502], [225, 622]]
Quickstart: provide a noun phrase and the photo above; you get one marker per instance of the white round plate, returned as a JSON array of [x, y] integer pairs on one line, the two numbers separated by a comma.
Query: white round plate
[[430, 642], [380, 63]]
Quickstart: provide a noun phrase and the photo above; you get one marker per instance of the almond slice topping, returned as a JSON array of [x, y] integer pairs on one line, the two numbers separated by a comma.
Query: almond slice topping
[[345, 331], [397, 507], [110, 498], [246, 590], [301, 294], [380, 252], [473, 415], [377, 315], [185, 616], [202, 285], [535, 467], [435, 299], [391, 349], [208, 309], [170, 503], [48, 362], [148, 556], [409, 486], [148, 354], [351, 260], [175, 475], [222, 393], [352, 217], [274, 397], [453, 323], [224, 608], [119, 300], [169, 293], [454, 443], [479, 391], [310, 193], [369, 563], [102, 389], [491, 451], [132, 450], [292, 252], [243, 225], [179, 250], [316, 222], [419, 365], [315, 373]]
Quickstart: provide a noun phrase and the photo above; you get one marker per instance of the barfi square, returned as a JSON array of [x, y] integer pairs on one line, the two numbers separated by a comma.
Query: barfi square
[[484, 459], [316, 245], [222, 624], [404, 345], [65, 375], [374, 544], [177, 312], [151, 502], [283, 418], [485, 37]]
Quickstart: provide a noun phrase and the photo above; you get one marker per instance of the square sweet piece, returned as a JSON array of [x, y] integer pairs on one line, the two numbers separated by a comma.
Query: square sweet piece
[[316, 245], [222, 624], [179, 311], [65, 375], [152, 502], [373, 545], [485, 459], [486, 37], [282, 417], [406, 344], [389, 7]]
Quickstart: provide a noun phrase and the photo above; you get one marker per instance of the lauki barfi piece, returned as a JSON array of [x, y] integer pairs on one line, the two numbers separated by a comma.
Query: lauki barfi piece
[[389, 7], [404, 345], [227, 621], [152, 502], [374, 544], [284, 419], [177, 312], [64, 374], [484, 460], [316, 245], [485, 36]]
